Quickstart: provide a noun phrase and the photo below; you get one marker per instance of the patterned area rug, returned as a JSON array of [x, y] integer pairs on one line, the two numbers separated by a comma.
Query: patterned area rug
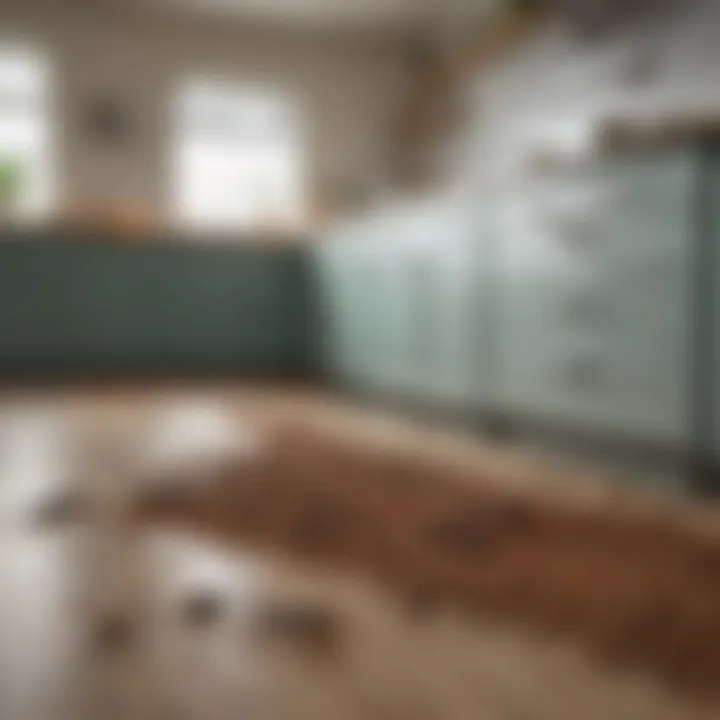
[[640, 589]]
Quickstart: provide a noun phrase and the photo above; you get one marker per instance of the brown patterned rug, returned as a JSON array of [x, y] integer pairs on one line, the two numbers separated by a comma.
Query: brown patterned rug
[[637, 589]]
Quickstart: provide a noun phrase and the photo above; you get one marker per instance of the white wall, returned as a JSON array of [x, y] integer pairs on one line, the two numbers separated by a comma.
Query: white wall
[[349, 90], [554, 91]]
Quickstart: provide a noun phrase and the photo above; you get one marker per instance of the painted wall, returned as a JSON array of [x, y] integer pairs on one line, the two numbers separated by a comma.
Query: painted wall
[[349, 90]]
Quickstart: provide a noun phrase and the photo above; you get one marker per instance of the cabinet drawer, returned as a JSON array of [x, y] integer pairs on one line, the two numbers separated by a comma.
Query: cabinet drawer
[[550, 367], [662, 183]]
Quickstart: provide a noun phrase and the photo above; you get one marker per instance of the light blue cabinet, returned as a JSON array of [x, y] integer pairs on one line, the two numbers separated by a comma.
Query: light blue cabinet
[[589, 300], [594, 300], [645, 277], [441, 303], [545, 359], [398, 299]]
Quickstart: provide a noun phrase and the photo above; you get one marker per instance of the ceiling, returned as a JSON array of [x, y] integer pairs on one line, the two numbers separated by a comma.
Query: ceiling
[[428, 20], [401, 15]]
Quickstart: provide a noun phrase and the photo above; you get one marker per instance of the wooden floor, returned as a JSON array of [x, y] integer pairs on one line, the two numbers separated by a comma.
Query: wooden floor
[[104, 618]]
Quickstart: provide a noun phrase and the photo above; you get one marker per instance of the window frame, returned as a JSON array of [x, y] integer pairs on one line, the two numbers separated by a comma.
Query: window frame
[[47, 112], [295, 217]]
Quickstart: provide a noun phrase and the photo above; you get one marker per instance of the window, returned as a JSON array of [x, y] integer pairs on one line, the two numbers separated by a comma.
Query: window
[[24, 131], [236, 158]]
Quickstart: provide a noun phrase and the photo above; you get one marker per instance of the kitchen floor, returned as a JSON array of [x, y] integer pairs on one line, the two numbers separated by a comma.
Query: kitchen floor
[[105, 616]]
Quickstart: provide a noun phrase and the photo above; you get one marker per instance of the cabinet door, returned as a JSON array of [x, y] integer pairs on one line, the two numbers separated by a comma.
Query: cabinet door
[[398, 319], [383, 298], [547, 361], [711, 169], [643, 276], [437, 283], [38, 313], [361, 340], [338, 296], [371, 326], [457, 323], [425, 313]]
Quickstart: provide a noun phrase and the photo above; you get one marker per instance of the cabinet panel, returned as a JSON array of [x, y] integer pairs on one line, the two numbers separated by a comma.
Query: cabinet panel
[[439, 306], [544, 352], [594, 308], [644, 278], [461, 373], [573, 303]]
